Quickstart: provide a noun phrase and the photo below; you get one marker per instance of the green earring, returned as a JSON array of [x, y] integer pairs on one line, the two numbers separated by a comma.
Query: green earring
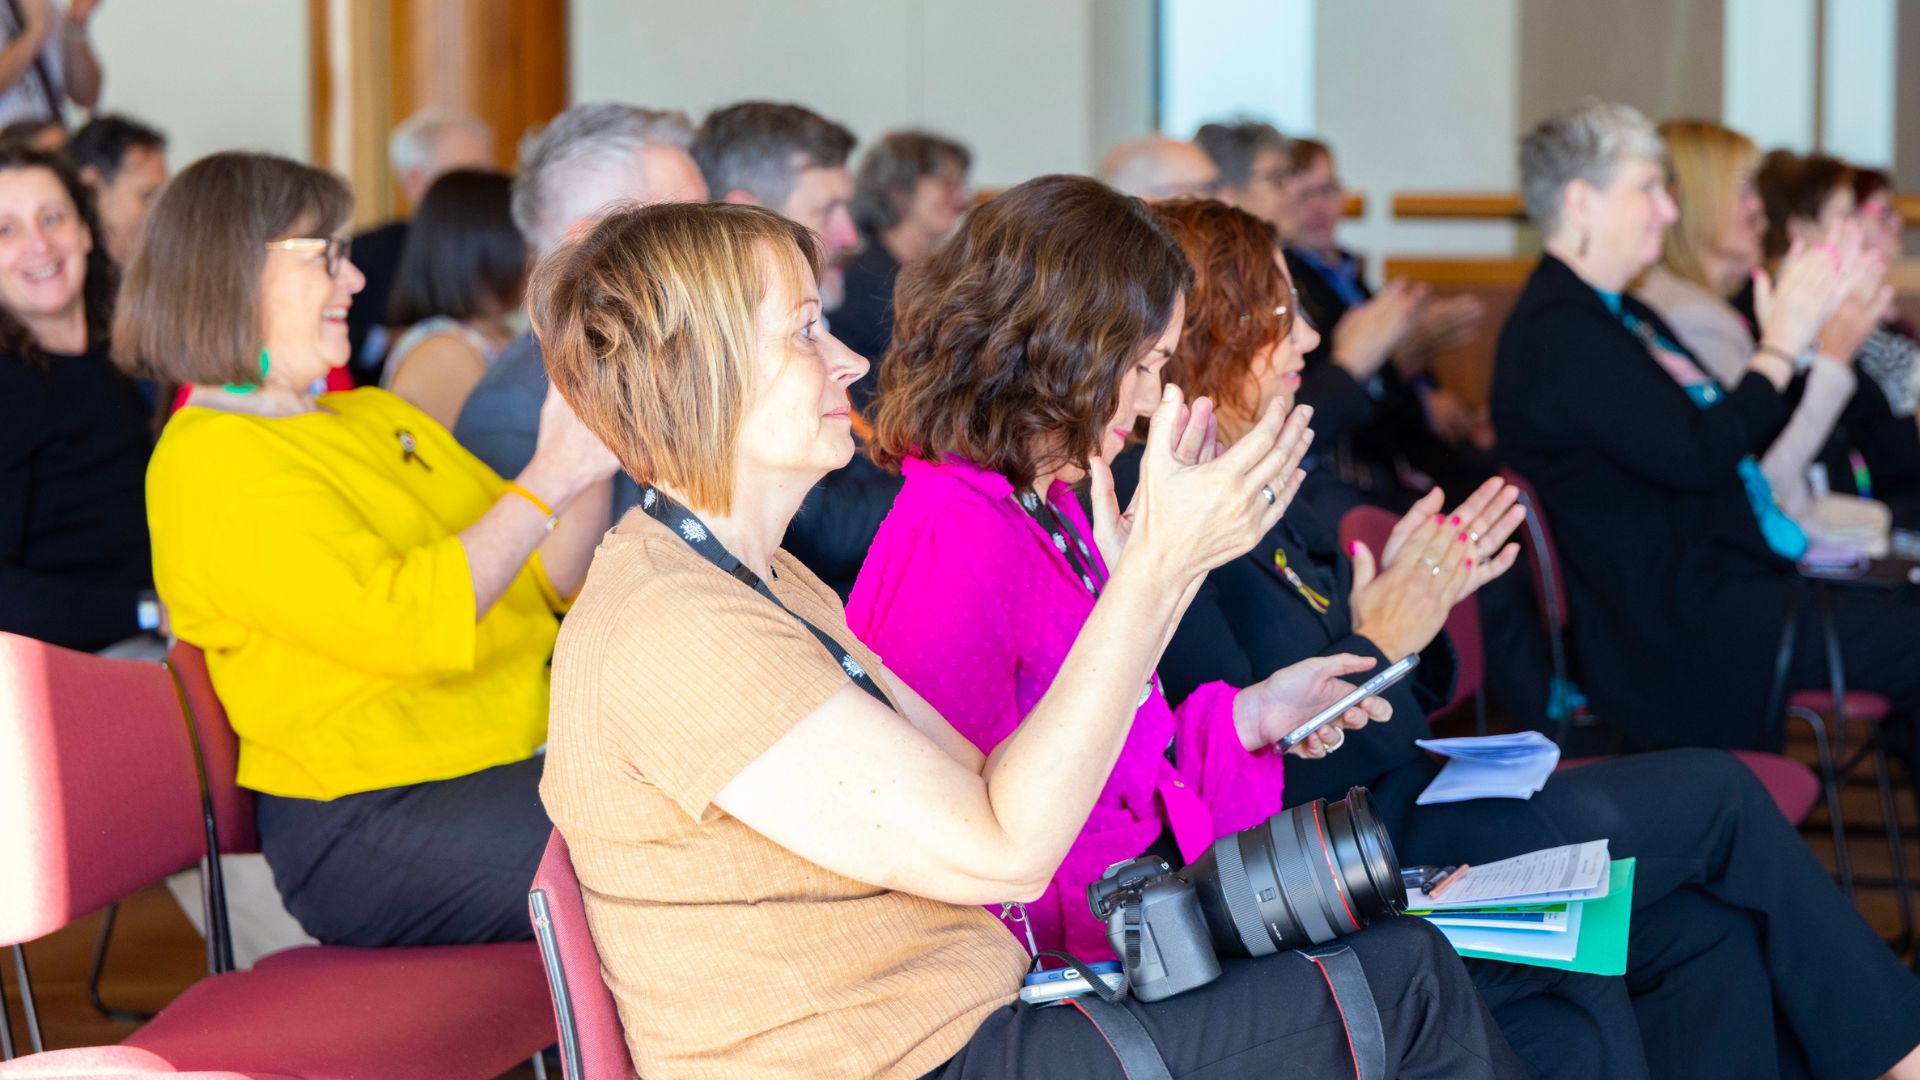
[[241, 388]]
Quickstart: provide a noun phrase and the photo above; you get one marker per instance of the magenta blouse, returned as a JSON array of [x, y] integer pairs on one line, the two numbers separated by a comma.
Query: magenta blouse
[[966, 598]]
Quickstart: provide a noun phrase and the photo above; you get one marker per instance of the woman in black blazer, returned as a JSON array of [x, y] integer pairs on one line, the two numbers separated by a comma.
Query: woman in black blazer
[[1680, 570], [1745, 960]]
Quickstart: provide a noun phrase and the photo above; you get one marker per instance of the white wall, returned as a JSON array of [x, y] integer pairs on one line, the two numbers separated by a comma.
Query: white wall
[[1228, 57], [212, 74], [1419, 96], [1012, 79], [1768, 71]]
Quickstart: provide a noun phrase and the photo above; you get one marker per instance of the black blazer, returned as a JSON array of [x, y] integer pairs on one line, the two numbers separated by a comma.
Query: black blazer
[[1246, 622], [1364, 433], [1677, 602]]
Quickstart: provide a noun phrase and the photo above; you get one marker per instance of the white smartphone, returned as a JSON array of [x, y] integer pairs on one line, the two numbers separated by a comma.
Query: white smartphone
[[1393, 674]]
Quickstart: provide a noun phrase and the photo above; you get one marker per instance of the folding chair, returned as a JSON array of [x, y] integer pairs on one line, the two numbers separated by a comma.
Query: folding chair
[[592, 1042], [100, 797]]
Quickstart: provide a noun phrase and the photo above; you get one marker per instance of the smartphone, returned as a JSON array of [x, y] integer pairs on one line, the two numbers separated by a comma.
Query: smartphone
[[1059, 984], [1328, 715]]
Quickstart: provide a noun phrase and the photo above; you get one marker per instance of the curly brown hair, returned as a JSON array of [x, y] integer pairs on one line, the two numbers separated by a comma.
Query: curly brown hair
[[1235, 308], [1010, 342]]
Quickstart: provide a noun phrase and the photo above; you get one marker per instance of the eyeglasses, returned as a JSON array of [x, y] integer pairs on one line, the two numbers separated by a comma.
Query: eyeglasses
[[334, 248], [1286, 312]]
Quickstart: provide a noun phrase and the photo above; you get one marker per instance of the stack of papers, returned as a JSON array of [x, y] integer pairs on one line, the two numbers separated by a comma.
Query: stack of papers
[[1566, 907], [1491, 767]]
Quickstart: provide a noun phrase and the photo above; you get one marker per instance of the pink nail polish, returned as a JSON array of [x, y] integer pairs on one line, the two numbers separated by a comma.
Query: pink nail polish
[[1439, 519], [1469, 564], [1353, 550], [1455, 519], [1463, 538]]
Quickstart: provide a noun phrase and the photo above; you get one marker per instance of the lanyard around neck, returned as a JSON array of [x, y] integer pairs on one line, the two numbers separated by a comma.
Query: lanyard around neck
[[1066, 539], [697, 536]]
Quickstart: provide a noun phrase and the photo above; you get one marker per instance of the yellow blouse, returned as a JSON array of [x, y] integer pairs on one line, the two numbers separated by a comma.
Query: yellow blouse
[[319, 565]]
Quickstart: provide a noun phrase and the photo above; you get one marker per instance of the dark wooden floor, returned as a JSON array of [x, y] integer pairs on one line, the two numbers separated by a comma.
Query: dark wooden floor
[[157, 953]]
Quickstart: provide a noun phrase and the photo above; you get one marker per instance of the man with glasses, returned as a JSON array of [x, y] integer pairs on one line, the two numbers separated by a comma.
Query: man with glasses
[[1255, 163], [1156, 168]]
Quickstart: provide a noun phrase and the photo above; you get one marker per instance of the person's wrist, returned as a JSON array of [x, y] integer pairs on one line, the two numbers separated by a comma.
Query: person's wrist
[[550, 485], [1246, 719]]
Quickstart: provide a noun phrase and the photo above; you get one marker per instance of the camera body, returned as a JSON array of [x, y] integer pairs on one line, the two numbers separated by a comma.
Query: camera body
[[1307, 875], [1156, 927]]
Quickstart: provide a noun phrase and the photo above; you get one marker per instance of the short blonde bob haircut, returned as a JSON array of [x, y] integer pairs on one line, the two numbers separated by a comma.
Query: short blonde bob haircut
[[648, 327], [1706, 162]]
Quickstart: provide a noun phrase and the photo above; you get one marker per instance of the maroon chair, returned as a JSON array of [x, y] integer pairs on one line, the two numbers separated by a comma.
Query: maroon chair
[[1371, 525], [1794, 787], [592, 1041], [100, 797], [450, 1010]]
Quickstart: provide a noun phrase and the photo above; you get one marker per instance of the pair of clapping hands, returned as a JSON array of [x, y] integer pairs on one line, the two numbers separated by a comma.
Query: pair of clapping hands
[[1198, 506], [1830, 295]]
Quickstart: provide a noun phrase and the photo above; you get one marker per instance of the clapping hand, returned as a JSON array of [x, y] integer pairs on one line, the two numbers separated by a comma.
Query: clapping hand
[[1431, 561], [1195, 441], [1191, 517]]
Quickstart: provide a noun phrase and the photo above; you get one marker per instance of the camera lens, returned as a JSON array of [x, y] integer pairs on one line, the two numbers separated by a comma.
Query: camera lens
[[1307, 875]]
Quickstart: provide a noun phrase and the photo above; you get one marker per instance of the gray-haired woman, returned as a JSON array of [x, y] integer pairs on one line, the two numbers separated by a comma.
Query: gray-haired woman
[[1678, 586]]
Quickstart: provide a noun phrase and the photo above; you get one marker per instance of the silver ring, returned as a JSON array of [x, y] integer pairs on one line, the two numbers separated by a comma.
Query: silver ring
[[1330, 747], [1432, 565], [1474, 536], [1267, 494]]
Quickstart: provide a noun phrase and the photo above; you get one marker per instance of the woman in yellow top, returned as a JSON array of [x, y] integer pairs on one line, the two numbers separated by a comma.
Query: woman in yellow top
[[378, 607]]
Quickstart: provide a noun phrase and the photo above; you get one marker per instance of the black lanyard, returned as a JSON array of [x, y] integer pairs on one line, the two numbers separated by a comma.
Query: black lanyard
[[698, 537], [1066, 540]]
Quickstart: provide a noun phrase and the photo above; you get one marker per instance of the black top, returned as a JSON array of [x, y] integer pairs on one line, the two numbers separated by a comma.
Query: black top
[[376, 253], [839, 519], [864, 320], [73, 514], [1676, 600], [1247, 622], [1369, 438]]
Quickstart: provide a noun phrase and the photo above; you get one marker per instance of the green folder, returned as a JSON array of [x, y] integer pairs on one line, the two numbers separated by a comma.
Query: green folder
[[1603, 931]]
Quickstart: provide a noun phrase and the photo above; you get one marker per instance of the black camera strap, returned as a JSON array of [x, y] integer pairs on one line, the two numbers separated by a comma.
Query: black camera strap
[[1353, 998], [1139, 1058], [691, 529]]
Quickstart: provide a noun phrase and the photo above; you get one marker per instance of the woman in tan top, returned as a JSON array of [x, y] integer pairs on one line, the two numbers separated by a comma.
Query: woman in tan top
[[784, 850]]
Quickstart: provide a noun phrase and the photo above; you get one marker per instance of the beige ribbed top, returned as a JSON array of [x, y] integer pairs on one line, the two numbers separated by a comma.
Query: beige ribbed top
[[729, 955]]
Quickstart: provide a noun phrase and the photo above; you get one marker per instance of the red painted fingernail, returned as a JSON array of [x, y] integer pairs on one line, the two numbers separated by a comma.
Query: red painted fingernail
[[1439, 518], [1455, 519], [1469, 564], [1353, 549], [1463, 538]]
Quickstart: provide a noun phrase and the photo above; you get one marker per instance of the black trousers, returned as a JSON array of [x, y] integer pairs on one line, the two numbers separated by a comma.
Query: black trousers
[[1744, 958], [1271, 1018], [441, 863]]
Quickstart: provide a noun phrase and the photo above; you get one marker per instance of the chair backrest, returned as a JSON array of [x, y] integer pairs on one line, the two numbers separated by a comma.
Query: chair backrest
[[1543, 557], [1371, 525], [98, 794], [219, 750], [592, 1041]]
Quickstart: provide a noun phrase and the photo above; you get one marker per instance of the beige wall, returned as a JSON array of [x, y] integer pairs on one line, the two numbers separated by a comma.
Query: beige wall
[[1018, 81], [1419, 96], [212, 74], [1661, 56]]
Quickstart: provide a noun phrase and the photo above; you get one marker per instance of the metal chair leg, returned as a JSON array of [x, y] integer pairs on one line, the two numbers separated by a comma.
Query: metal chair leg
[[1896, 844], [540, 1065], [6, 1025], [26, 998], [99, 967], [1830, 786]]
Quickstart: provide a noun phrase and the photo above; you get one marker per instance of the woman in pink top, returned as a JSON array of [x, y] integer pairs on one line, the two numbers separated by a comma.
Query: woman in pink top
[[983, 574]]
